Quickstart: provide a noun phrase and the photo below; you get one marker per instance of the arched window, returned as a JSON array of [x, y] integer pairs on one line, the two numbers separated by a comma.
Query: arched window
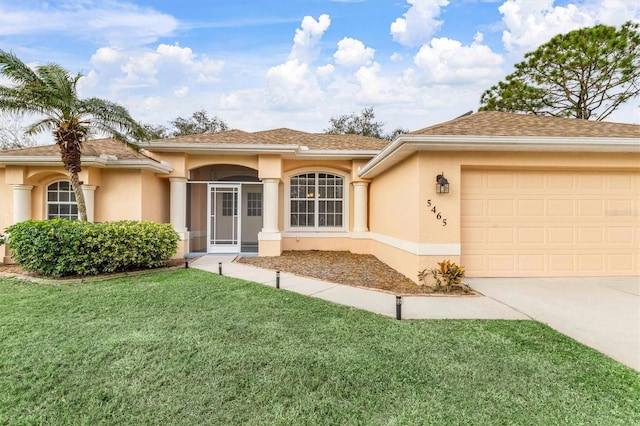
[[317, 201], [61, 201]]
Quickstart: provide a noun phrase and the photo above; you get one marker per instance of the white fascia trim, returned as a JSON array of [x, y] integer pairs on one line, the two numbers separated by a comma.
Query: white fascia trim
[[139, 164], [406, 145], [241, 149], [420, 249], [293, 234], [102, 162], [336, 154]]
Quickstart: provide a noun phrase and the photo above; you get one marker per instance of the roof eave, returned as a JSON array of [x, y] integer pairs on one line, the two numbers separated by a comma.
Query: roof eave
[[406, 145], [240, 149], [336, 154], [88, 161]]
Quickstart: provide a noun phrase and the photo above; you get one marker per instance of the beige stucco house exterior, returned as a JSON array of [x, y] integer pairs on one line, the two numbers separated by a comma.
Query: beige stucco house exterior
[[527, 195]]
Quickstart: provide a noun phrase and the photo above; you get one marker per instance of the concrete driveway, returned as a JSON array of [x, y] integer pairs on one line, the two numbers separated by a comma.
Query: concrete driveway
[[603, 313]]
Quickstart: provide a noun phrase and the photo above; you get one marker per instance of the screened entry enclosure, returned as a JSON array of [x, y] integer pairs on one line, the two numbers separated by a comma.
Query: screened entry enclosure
[[224, 209]]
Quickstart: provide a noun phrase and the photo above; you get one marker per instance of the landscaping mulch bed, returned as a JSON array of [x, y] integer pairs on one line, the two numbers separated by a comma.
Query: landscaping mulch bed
[[357, 270]]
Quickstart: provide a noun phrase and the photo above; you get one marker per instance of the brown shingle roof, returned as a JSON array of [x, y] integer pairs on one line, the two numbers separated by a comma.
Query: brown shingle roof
[[92, 148], [496, 123], [314, 141]]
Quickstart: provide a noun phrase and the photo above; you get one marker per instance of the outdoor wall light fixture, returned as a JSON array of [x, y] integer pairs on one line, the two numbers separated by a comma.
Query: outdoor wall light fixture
[[442, 184]]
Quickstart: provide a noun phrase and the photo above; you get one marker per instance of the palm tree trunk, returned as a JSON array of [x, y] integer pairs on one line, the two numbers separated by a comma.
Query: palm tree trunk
[[76, 185], [70, 144]]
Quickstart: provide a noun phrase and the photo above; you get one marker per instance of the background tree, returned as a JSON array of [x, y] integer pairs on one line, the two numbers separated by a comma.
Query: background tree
[[395, 133], [156, 131], [586, 73], [49, 92], [199, 122], [356, 124], [12, 134]]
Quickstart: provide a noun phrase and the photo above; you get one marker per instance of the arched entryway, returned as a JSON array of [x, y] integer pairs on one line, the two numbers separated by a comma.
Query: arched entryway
[[224, 209]]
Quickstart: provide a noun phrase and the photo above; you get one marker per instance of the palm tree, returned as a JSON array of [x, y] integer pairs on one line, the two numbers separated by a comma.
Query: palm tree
[[49, 92]]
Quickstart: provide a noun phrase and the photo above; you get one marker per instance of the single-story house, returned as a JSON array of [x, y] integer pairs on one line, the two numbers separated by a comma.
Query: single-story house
[[502, 194]]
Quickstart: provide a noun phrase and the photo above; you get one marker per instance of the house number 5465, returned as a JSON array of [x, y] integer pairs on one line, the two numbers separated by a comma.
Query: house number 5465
[[435, 211]]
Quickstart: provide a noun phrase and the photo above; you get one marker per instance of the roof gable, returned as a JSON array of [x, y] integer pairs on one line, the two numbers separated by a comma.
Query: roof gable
[[281, 136], [90, 148], [497, 123]]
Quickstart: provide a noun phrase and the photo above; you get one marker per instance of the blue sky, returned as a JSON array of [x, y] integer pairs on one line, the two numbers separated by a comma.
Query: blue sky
[[263, 64]]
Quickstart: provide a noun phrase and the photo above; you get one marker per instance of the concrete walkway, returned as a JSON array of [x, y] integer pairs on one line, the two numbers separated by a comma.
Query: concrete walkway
[[413, 307], [601, 313]]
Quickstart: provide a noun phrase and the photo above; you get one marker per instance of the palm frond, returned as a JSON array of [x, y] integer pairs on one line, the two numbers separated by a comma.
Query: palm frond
[[17, 71], [40, 126]]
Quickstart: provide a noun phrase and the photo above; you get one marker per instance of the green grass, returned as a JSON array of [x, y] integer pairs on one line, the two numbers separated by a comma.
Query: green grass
[[188, 347]]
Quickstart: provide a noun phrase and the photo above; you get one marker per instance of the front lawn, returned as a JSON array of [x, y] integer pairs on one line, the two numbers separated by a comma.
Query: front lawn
[[189, 347]]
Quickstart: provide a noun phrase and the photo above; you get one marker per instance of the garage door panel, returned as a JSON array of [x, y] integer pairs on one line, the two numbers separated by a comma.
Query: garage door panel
[[561, 263], [532, 263], [560, 181], [592, 208], [560, 235], [560, 208], [531, 208], [473, 208], [620, 262], [590, 235], [501, 262], [590, 181], [593, 263], [623, 235], [560, 223], [530, 182], [500, 208], [531, 235]]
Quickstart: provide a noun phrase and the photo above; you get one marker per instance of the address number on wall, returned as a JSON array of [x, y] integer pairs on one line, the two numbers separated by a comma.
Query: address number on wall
[[433, 209]]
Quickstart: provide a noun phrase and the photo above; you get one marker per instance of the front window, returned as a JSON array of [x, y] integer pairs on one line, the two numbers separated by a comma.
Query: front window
[[316, 201], [61, 201]]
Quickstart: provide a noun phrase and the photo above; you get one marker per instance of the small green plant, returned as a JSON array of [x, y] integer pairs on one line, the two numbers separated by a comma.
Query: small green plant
[[3, 239], [446, 276]]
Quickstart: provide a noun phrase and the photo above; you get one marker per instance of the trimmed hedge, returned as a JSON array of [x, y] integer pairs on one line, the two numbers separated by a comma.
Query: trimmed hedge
[[60, 247]]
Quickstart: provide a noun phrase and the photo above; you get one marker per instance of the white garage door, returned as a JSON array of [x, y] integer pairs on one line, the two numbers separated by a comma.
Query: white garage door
[[561, 223]]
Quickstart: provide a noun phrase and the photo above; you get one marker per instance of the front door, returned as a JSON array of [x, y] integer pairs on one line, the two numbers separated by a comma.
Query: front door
[[224, 223]]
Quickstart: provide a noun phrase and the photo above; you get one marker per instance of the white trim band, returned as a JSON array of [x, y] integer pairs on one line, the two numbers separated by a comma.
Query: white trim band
[[419, 249]]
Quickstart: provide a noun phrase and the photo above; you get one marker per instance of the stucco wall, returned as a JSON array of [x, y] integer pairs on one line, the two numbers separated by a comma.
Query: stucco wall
[[395, 201], [119, 197], [155, 198]]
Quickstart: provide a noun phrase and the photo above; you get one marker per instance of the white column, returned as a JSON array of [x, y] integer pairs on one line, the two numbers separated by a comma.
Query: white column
[[271, 205], [21, 202], [360, 210], [178, 209], [89, 200]]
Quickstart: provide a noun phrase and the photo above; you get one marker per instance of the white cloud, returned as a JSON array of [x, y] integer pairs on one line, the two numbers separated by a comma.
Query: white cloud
[[353, 53], [446, 61], [105, 55], [532, 23], [116, 22], [419, 24], [325, 71], [305, 42], [181, 92], [292, 85]]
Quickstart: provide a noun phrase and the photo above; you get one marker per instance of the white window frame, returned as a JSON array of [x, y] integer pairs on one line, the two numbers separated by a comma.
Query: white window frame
[[346, 201], [59, 203]]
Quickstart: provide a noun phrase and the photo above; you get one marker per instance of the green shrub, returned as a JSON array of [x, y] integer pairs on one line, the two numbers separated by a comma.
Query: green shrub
[[60, 247]]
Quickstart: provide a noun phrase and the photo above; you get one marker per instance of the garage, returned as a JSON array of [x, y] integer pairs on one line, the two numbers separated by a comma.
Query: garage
[[528, 223]]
